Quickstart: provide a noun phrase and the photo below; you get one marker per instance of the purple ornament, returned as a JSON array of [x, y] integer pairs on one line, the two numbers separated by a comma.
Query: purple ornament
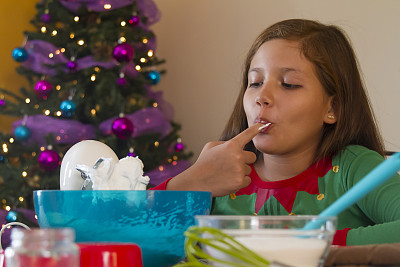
[[71, 65], [179, 147], [122, 82], [46, 18], [122, 127], [49, 160], [134, 21], [123, 52], [2, 102], [43, 89]]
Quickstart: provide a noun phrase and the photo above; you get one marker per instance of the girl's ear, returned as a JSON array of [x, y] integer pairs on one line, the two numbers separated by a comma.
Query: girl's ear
[[330, 116]]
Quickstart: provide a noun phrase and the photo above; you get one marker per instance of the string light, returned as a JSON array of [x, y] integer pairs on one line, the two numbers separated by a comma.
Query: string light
[[36, 106], [155, 104], [8, 208], [93, 77], [47, 112], [123, 23], [72, 35], [150, 53], [156, 143], [143, 60], [27, 100], [93, 111], [58, 113], [96, 69], [76, 18], [81, 42], [54, 33], [58, 51], [107, 6], [145, 40], [5, 148], [51, 55], [58, 87], [42, 148], [138, 67], [62, 50], [161, 168], [21, 199], [11, 140], [24, 174], [43, 29], [122, 39]]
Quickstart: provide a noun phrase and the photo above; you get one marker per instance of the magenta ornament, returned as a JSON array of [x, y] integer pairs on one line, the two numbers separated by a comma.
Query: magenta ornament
[[123, 52], [179, 147], [43, 89], [45, 18], [49, 160], [122, 81], [131, 154], [134, 21], [71, 65], [122, 127]]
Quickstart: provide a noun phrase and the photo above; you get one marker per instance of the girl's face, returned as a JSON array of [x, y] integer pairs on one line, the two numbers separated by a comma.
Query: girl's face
[[283, 89]]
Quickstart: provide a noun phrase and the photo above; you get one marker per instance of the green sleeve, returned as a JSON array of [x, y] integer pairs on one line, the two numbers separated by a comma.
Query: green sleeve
[[381, 206]]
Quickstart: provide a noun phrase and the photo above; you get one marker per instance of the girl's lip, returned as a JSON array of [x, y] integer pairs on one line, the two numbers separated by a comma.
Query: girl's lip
[[261, 120]]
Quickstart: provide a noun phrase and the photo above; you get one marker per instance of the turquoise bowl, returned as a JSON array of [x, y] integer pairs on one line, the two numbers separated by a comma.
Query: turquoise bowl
[[154, 220]]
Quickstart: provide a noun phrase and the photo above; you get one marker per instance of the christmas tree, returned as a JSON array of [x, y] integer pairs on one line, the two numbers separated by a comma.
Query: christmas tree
[[92, 69]]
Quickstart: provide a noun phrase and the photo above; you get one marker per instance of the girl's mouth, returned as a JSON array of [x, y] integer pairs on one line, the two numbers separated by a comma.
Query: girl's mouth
[[264, 128]]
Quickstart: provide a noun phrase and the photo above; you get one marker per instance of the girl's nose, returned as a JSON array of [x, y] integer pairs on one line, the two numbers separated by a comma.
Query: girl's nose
[[262, 99]]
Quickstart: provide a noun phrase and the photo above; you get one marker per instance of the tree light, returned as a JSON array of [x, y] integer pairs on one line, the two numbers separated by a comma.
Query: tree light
[[107, 6], [43, 29], [123, 23], [150, 53], [81, 42], [76, 18]]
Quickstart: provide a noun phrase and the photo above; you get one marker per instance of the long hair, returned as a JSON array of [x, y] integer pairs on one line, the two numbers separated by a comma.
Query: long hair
[[329, 50]]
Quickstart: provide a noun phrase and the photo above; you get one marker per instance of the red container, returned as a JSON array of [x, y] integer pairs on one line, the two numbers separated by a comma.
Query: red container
[[110, 255]]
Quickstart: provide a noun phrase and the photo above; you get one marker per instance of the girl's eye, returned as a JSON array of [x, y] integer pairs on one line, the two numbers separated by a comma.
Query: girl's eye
[[290, 86], [255, 84]]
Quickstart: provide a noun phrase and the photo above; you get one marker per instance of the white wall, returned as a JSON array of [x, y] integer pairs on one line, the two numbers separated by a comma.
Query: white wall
[[205, 41]]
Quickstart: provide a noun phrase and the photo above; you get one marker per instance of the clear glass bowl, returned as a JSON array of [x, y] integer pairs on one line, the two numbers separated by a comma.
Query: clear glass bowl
[[154, 220], [285, 240]]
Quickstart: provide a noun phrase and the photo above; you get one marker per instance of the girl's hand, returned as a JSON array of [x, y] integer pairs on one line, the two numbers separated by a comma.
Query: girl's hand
[[222, 167]]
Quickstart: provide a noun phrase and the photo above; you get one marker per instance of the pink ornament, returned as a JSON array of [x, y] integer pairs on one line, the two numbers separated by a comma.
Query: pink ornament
[[123, 52], [122, 128], [43, 89], [122, 82], [49, 160]]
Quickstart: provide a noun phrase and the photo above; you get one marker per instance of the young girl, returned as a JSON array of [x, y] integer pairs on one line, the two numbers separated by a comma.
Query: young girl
[[302, 81]]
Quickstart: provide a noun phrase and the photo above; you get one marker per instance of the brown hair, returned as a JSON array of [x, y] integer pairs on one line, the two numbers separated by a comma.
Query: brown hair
[[332, 55]]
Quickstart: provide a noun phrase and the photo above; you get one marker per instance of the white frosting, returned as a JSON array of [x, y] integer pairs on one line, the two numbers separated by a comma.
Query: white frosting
[[127, 174]]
